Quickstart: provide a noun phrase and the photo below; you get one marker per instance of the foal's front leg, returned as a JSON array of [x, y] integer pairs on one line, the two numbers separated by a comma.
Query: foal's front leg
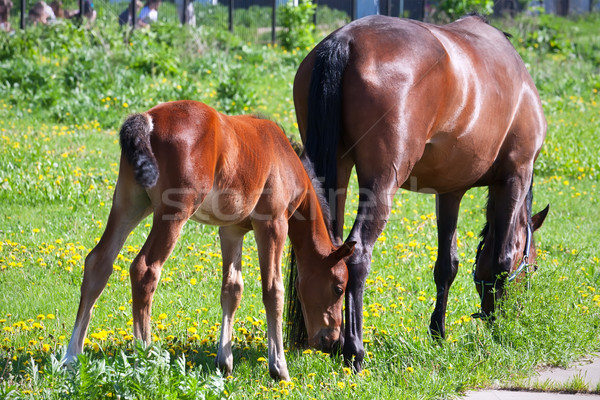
[[270, 241], [232, 239]]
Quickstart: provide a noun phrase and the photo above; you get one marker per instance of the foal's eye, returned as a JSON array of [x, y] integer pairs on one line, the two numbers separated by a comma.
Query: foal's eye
[[338, 290]]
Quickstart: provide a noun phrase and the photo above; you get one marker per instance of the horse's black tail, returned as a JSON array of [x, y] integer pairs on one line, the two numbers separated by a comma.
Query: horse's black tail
[[135, 145], [324, 110], [296, 335]]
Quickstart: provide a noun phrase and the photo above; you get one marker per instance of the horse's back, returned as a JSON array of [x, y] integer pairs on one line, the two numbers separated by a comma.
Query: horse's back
[[444, 101]]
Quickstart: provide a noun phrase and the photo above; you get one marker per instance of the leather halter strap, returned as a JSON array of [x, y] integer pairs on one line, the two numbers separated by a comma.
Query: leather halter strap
[[524, 265]]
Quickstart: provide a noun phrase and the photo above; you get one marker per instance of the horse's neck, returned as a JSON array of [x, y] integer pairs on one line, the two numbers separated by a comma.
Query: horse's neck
[[307, 229]]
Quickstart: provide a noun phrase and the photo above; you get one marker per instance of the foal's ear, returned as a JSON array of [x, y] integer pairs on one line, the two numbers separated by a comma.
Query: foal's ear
[[538, 219], [345, 250]]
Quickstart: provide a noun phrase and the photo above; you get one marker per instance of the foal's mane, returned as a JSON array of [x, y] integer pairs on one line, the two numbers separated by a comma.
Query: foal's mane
[[319, 188], [295, 334]]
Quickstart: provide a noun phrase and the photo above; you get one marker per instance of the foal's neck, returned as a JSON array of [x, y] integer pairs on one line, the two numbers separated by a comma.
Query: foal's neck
[[307, 229]]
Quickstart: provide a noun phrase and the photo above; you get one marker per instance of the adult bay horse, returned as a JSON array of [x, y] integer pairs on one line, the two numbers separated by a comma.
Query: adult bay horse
[[436, 109], [184, 160]]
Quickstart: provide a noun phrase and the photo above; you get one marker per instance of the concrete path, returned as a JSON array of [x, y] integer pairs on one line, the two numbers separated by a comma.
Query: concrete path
[[546, 383]]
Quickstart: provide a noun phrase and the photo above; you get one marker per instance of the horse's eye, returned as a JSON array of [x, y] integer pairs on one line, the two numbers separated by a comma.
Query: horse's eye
[[338, 290]]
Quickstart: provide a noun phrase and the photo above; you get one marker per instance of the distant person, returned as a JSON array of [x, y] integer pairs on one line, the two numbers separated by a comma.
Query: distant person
[[41, 13], [126, 17], [57, 8], [191, 16], [149, 13], [87, 11], [5, 6]]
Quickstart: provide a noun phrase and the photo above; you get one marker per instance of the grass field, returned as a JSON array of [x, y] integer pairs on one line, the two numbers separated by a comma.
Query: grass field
[[58, 165]]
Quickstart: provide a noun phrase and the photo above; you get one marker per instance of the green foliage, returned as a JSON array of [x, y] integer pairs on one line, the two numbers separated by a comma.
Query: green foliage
[[233, 95], [145, 373], [68, 74], [455, 9], [298, 24]]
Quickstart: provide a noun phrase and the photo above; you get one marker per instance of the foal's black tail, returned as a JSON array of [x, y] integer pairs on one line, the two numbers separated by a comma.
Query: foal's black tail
[[295, 335], [324, 110], [135, 145]]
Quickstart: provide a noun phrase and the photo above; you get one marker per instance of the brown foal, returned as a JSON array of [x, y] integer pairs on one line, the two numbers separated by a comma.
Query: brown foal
[[184, 160]]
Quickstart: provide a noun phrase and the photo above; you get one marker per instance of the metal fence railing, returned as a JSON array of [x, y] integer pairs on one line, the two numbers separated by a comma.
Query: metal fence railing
[[252, 20]]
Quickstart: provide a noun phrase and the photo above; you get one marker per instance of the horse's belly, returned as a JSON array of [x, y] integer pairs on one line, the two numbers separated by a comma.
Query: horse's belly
[[451, 164], [224, 207]]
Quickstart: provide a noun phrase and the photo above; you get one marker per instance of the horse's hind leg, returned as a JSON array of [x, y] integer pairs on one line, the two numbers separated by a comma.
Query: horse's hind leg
[[232, 239], [146, 267], [446, 265], [130, 206]]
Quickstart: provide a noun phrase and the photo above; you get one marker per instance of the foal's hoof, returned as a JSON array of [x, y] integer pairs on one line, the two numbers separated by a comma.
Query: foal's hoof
[[280, 375], [69, 362], [224, 368]]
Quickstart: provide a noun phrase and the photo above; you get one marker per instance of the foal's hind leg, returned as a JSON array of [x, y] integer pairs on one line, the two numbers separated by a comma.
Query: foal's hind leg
[[232, 239], [147, 266], [446, 265], [130, 206]]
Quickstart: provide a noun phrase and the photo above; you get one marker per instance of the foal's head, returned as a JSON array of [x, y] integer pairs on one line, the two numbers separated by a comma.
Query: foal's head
[[519, 254], [321, 293], [316, 319]]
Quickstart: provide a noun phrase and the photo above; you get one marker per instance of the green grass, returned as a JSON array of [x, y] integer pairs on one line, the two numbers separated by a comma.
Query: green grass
[[58, 170]]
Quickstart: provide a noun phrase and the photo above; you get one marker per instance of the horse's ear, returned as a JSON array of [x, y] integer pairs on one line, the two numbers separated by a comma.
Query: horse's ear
[[345, 250], [538, 219]]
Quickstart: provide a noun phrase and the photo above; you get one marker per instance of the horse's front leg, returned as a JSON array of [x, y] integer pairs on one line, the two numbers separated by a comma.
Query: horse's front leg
[[270, 241], [232, 239], [446, 265], [373, 211], [146, 268]]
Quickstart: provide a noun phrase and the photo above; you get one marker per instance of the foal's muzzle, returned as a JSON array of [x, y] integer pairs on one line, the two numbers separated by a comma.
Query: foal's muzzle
[[326, 340]]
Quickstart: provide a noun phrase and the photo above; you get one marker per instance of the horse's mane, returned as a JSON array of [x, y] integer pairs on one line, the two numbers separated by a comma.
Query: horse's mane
[[490, 203], [484, 19]]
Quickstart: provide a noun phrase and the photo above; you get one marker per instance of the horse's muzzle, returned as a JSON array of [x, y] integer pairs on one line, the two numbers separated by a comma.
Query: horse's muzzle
[[326, 340]]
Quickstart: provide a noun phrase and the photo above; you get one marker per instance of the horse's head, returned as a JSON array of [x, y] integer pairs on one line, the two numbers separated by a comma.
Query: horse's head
[[321, 292], [521, 255]]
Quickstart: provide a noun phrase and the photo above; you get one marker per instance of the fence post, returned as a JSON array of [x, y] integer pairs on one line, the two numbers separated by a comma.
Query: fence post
[[186, 17], [134, 11], [273, 21], [23, 11], [230, 15]]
